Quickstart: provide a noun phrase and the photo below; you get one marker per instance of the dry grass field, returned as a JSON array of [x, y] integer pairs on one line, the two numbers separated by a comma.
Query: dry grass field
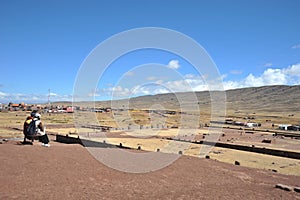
[[265, 105]]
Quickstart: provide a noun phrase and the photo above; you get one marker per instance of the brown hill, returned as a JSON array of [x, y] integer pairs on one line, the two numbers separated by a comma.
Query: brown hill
[[277, 98], [278, 103]]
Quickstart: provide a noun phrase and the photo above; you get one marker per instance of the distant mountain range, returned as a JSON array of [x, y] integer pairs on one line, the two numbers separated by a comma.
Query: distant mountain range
[[267, 98], [278, 98]]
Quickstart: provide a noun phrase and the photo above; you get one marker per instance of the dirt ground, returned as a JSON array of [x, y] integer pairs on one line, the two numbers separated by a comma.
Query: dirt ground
[[154, 139], [69, 172]]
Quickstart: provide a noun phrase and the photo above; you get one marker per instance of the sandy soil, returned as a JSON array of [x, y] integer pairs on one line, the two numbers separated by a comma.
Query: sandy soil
[[154, 139], [260, 161], [151, 140], [70, 172]]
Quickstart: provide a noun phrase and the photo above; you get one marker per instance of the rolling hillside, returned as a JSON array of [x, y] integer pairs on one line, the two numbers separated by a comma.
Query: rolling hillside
[[279, 103], [266, 98]]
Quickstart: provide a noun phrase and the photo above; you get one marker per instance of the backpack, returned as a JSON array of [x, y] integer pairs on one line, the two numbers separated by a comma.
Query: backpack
[[31, 128]]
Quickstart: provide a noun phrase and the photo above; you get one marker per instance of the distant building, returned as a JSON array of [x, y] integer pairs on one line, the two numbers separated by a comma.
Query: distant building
[[229, 121], [294, 128], [239, 123], [13, 106], [252, 124], [70, 109], [284, 126]]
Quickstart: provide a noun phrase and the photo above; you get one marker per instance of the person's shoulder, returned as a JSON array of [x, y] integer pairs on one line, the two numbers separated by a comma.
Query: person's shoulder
[[28, 120]]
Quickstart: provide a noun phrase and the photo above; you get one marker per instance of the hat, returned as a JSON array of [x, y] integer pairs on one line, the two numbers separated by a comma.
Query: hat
[[32, 114], [37, 115]]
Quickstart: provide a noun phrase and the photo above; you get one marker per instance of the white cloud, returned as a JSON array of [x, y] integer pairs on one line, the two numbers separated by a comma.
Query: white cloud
[[2, 94], [117, 91], [194, 83], [223, 76], [297, 46], [189, 76], [231, 85], [285, 76], [173, 64], [52, 94], [293, 70], [157, 87], [274, 77], [251, 80], [32, 98], [271, 76], [269, 64], [140, 90]]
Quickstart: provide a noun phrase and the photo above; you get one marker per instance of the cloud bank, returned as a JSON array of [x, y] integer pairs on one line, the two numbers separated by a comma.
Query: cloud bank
[[32, 98], [271, 76], [189, 82]]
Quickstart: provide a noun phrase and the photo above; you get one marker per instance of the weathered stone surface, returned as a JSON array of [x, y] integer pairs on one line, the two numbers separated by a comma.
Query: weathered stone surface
[[266, 141], [297, 189], [283, 187], [237, 163]]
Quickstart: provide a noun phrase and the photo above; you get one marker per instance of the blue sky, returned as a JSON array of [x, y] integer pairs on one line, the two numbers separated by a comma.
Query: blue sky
[[44, 43]]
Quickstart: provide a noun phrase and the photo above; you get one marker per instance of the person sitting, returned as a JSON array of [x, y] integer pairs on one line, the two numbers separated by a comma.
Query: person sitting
[[25, 128], [34, 128], [41, 131]]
